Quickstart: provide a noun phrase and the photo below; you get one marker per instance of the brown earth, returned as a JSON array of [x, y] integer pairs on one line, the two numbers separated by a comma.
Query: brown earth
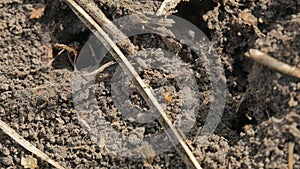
[[261, 117]]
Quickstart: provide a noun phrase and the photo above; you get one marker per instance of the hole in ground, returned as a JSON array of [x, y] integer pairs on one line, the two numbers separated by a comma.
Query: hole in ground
[[193, 12]]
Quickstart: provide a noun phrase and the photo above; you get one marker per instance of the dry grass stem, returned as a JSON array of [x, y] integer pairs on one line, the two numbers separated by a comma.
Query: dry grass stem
[[290, 155], [27, 145], [146, 92], [266, 60], [111, 29]]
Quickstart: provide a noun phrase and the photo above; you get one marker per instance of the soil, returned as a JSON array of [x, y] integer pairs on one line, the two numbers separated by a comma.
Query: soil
[[262, 113]]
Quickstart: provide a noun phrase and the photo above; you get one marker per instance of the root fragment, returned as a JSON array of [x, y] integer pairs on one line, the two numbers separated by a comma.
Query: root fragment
[[101, 69]]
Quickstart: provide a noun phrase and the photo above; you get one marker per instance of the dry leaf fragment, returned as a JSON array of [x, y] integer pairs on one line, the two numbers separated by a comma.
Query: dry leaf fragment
[[29, 162], [37, 13], [168, 97]]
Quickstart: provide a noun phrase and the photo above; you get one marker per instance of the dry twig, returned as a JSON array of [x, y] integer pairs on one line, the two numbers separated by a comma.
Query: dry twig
[[144, 89], [28, 146], [269, 61]]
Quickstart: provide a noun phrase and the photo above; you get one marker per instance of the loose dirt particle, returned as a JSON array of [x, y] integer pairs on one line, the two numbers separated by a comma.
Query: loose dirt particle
[[247, 17], [37, 13]]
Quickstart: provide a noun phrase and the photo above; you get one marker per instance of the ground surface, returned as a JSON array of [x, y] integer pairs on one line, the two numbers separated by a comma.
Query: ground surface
[[261, 117]]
